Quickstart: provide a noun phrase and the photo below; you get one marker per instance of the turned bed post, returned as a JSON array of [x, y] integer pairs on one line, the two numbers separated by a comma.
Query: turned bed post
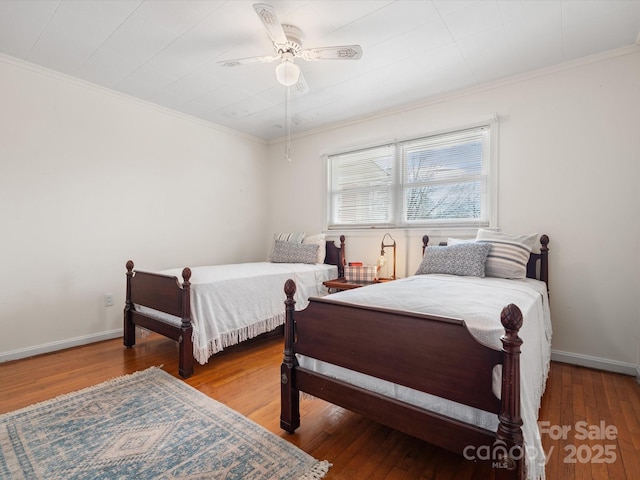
[[425, 243], [544, 260], [289, 395], [129, 338], [185, 362], [342, 261], [509, 443]]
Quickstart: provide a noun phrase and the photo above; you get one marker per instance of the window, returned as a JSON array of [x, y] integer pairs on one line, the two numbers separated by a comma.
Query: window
[[436, 181]]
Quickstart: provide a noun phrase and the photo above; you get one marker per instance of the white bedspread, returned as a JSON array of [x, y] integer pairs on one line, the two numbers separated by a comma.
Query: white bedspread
[[232, 303], [479, 302]]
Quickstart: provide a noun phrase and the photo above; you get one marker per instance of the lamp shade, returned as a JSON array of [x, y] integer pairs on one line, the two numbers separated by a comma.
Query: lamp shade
[[287, 73]]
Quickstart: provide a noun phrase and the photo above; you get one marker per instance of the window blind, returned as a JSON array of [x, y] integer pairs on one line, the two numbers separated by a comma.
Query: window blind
[[445, 178], [435, 180], [361, 191]]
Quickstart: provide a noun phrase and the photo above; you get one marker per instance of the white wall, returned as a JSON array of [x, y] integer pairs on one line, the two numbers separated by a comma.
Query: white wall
[[569, 158], [90, 179]]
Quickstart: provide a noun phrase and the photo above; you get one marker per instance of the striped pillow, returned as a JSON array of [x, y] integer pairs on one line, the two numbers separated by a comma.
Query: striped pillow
[[509, 253], [296, 237]]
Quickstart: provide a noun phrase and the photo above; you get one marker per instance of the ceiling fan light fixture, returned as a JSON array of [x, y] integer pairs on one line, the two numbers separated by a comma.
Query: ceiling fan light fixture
[[287, 73]]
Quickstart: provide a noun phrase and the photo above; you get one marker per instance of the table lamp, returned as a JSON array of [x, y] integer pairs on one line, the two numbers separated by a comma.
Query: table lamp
[[382, 260]]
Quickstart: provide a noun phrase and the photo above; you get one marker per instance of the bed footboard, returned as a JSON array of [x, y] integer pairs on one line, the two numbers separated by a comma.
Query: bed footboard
[[167, 295], [460, 369]]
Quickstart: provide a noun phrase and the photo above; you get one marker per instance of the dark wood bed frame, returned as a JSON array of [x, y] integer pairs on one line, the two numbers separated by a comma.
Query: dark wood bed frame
[[167, 294], [432, 354]]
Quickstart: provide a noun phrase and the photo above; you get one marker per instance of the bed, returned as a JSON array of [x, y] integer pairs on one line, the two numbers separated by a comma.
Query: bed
[[213, 307], [411, 355]]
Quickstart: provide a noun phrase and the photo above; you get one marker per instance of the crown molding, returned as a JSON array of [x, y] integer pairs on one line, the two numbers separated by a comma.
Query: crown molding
[[38, 69], [445, 97]]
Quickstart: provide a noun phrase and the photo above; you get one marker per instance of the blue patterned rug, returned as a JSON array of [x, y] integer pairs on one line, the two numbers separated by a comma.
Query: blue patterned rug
[[148, 425]]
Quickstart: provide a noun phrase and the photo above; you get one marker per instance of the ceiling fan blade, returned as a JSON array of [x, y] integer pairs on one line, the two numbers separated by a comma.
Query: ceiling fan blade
[[246, 61], [270, 21], [300, 88], [343, 52]]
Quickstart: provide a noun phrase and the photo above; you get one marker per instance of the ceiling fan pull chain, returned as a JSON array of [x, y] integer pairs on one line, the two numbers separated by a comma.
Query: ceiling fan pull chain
[[287, 124]]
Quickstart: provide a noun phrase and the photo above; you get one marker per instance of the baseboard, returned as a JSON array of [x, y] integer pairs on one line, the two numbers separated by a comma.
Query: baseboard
[[556, 355], [61, 345], [597, 363]]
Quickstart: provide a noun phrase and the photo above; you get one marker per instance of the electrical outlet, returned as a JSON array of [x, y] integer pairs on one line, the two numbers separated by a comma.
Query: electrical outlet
[[108, 299]]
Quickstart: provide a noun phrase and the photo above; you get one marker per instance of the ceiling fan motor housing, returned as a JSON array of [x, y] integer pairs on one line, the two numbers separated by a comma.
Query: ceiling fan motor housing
[[295, 37]]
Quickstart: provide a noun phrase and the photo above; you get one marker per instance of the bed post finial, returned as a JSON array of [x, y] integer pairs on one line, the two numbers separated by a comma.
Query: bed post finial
[[289, 394], [511, 318], [186, 275], [544, 241], [509, 440], [289, 290]]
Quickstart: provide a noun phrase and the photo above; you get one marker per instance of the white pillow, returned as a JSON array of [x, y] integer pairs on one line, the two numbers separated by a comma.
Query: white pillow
[[509, 253], [458, 241], [320, 240]]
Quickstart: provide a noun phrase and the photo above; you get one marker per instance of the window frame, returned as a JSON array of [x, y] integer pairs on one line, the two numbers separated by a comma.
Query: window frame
[[489, 196]]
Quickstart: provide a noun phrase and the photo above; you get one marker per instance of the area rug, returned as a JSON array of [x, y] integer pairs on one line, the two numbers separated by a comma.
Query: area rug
[[148, 425]]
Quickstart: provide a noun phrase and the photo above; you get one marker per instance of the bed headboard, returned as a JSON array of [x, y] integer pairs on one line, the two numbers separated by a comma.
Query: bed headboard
[[539, 272], [335, 255]]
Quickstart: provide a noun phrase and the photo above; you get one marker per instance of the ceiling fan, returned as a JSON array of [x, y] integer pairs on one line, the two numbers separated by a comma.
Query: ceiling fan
[[287, 43]]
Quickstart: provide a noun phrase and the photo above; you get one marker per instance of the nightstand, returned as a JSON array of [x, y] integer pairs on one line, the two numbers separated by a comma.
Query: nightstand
[[339, 284]]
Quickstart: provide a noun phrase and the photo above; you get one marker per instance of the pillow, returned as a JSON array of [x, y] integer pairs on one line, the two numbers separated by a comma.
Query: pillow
[[291, 252], [509, 253], [466, 259], [295, 237], [457, 241], [319, 240]]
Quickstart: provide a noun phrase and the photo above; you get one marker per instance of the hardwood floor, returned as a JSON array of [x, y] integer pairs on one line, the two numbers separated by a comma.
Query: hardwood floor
[[600, 412]]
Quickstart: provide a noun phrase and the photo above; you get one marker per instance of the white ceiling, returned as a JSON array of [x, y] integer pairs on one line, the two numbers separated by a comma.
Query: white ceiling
[[166, 52]]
